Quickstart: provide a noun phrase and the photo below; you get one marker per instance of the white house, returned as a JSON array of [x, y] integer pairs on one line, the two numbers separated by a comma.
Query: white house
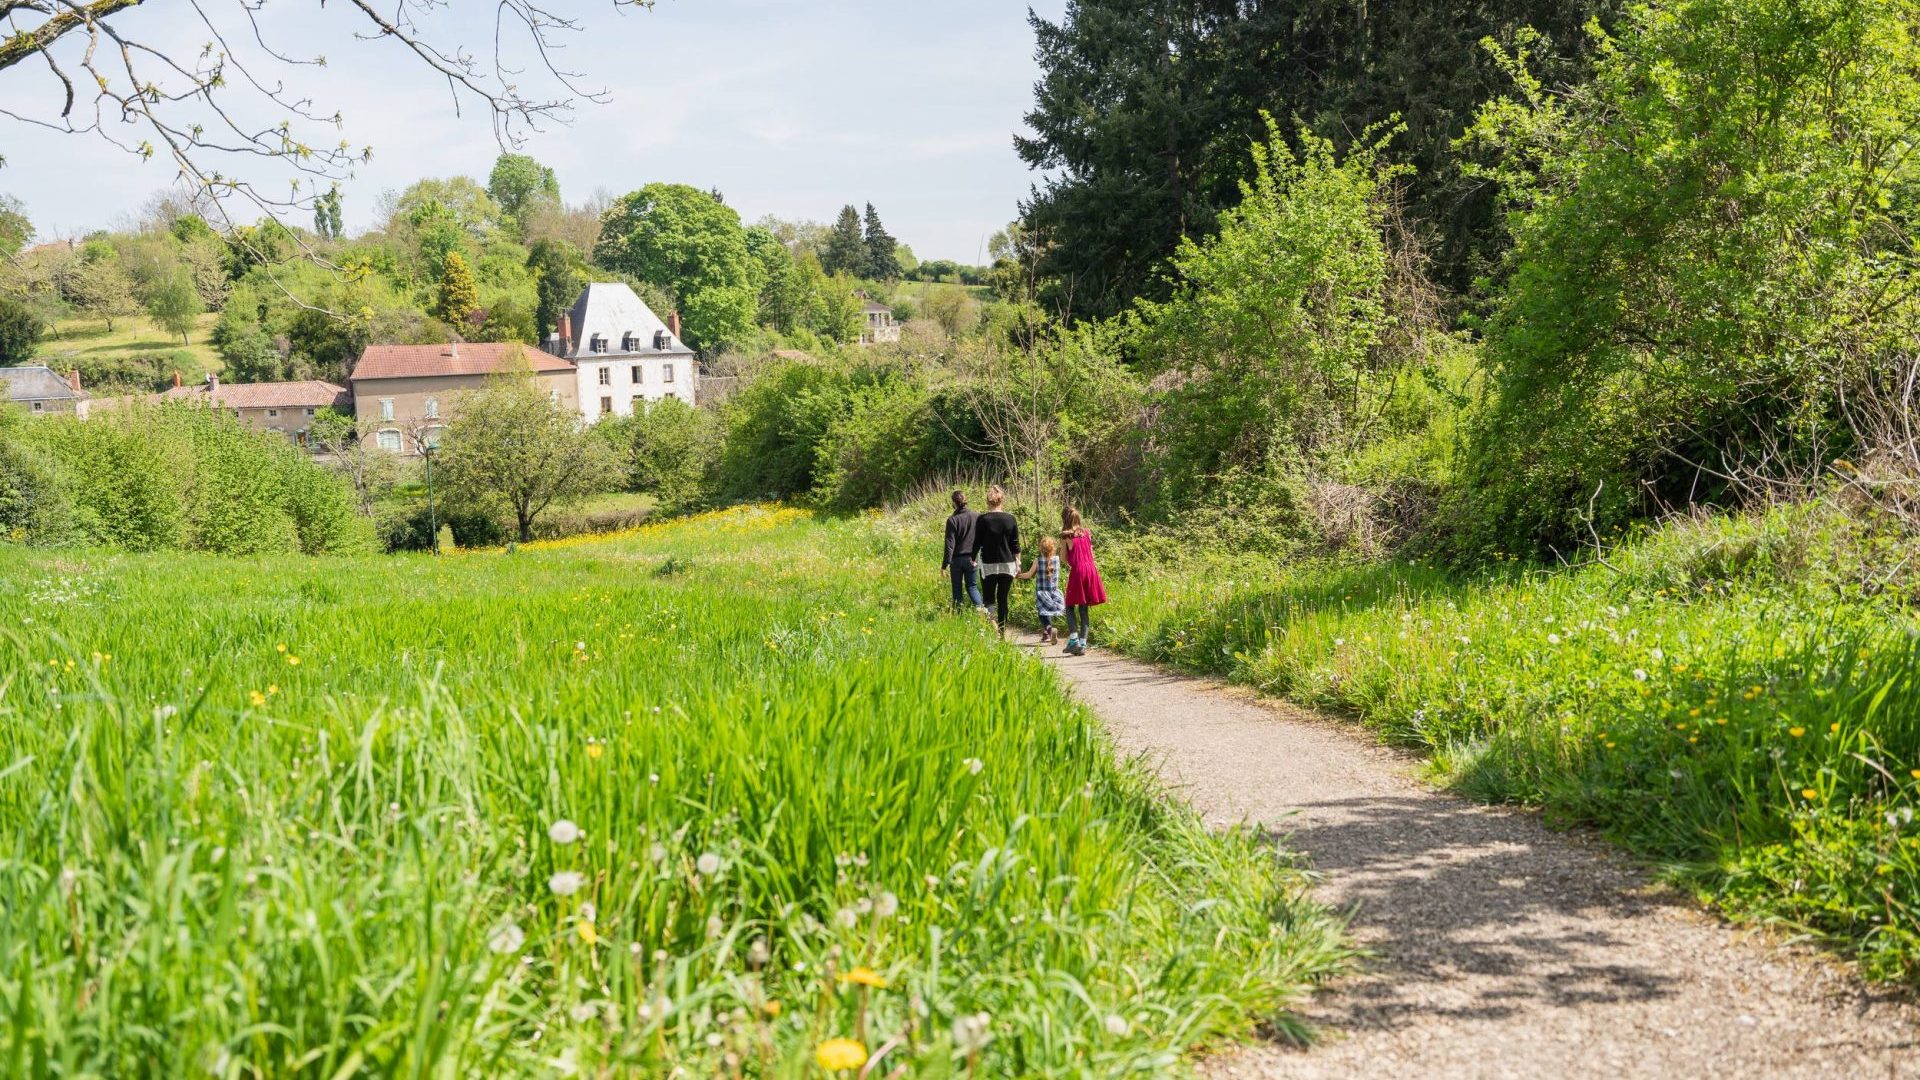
[[622, 353]]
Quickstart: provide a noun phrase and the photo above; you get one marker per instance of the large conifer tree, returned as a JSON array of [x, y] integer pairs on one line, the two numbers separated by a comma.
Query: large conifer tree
[[846, 250], [883, 264]]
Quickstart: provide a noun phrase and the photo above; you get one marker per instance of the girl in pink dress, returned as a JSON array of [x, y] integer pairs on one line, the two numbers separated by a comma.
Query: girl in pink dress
[[1084, 589]]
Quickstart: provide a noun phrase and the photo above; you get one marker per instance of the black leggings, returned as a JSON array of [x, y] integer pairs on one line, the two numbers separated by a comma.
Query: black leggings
[[999, 588], [1077, 615]]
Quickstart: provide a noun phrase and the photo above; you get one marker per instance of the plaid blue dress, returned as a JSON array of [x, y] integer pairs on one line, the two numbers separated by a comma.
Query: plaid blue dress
[[1047, 599]]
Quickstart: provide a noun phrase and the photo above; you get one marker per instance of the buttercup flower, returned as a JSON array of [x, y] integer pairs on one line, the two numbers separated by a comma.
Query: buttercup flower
[[840, 1055], [865, 976]]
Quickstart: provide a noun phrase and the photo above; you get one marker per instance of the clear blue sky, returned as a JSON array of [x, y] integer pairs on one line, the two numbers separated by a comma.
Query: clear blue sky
[[788, 107]]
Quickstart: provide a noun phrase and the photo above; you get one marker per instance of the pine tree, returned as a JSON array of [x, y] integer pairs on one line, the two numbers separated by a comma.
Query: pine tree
[[458, 296], [883, 260], [846, 251]]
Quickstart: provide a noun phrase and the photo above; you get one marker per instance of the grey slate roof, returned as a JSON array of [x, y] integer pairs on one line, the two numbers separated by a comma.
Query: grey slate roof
[[37, 383], [612, 310]]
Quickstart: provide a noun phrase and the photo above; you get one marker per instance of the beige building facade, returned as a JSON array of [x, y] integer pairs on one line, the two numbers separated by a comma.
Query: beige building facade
[[404, 393], [288, 408]]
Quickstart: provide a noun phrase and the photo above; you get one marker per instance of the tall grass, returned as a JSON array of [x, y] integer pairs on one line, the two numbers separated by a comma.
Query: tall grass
[[1712, 699], [316, 817]]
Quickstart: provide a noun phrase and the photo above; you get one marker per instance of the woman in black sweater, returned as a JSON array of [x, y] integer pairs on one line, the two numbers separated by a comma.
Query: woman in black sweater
[[997, 553]]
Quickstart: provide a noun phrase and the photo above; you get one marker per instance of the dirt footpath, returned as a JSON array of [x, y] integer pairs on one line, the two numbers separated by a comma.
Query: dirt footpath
[[1499, 947]]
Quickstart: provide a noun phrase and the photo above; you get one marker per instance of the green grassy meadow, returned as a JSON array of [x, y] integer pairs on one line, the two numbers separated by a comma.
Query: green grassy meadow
[[1722, 698], [133, 337], [708, 795]]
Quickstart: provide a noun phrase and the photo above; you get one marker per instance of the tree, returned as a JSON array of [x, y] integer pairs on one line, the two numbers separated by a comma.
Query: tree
[[517, 181], [846, 250], [559, 273], [1713, 250], [510, 442], [684, 240], [98, 286], [20, 330], [15, 229], [1144, 111], [197, 107], [882, 261], [174, 304], [458, 298], [326, 214], [344, 446], [672, 451]]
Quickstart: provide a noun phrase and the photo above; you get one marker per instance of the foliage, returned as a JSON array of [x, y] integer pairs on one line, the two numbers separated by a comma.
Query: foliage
[[845, 249], [15, 228], [458, 297], [559, 273], [35, 507], [146, 478], [509, 443], [815, 817], [883, 261], [97, 285], [1144, 111], [20, 330], [174, 304], [1717, 699], [688, 242], [671, 451], [1712, 243], [518, 181]]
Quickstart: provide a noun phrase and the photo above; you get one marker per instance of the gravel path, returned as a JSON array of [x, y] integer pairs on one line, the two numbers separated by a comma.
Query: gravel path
[[1499, 947]]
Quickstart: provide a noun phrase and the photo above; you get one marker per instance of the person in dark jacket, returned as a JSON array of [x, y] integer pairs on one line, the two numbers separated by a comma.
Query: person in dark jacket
[[958, 560], [997, 553]]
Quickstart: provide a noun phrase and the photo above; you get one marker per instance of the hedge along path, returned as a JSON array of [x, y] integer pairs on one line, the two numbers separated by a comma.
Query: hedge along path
[[1499, 948]]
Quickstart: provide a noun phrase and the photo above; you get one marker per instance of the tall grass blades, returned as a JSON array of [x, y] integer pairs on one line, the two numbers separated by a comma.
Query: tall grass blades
[[707, 796]]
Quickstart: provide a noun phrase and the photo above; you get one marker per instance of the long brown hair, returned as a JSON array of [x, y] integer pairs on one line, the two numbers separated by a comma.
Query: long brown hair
[[1070, 521]]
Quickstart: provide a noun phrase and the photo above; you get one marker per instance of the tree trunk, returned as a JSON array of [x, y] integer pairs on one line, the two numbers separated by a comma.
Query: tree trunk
[[526, 526]]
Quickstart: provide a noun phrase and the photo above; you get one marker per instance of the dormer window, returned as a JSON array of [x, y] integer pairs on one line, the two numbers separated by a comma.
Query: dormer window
[[597, 344], [662, 340], [629, 341]]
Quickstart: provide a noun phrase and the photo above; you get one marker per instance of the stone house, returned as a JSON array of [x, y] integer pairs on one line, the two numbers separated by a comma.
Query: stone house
[[877, 323], [41, 390], [622, 353], [286, 407], [400, 389]]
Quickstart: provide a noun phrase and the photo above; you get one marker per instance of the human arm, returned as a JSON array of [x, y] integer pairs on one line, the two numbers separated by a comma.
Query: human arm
[[946, 558]]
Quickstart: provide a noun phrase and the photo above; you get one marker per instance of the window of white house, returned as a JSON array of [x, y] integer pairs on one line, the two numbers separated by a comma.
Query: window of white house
[[273, 412], [606, 405], [386, 410], [636, 374], [39, 406], [433, 408], [389, 439], [309, 413], [606, 376], [666, 373]]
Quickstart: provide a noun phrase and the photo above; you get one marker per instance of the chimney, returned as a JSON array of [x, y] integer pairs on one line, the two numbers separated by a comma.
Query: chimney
[[566, 333], [213, 385], [176, 378], [73, 379], [453, 349], [673, 323]]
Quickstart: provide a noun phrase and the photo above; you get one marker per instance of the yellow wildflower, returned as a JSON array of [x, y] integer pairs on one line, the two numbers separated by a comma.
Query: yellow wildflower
[[1796, 732], [282, 647], [1809, 794], [840, 1055], [258, 697], [1835, 728], [588, 934], [594, 750], [865, 976], [272, 689], [771, 1008], [293, 661]]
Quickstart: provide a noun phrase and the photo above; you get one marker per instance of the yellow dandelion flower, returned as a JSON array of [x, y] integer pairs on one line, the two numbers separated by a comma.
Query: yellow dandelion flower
[[272, 688], [282, 647], [865, 976], [293, 661], [1916, 774], [1835, 728], [257, 697], [1721, 720], [840, 1055], [1611, 745], [772, 1007], [1809, 794], [588, 934], [1796, 732], [594, 750]]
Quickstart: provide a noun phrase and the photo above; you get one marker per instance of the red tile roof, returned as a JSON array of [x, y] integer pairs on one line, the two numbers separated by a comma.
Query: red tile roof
[[310, 394], [466, 358]]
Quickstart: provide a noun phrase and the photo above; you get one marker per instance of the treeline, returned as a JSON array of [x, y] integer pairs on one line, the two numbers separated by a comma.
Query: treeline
[[450, 258]]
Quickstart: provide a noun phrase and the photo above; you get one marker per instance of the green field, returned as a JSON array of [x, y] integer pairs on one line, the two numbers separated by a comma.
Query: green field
[[318, 816], [133, 338]]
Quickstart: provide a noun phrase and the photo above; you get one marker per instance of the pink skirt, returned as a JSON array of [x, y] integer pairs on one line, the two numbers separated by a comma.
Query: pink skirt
[[1083, 577]]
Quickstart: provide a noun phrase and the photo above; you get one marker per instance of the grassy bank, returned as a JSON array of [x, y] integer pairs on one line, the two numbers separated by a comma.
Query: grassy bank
[[297, 816], [1721, 699]]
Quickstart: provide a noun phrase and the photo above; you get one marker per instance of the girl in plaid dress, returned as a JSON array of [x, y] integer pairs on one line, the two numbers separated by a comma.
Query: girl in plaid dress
[[1048, 602]]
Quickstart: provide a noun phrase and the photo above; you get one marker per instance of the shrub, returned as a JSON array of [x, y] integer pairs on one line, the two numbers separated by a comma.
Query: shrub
[[671, 451]]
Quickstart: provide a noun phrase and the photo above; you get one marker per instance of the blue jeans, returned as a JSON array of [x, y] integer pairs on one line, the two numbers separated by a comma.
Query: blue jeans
[[966, 581]]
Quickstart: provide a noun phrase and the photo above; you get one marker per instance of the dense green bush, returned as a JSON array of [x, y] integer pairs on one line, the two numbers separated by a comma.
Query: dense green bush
[[1713, 241], [151, 478], [671, 451]]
